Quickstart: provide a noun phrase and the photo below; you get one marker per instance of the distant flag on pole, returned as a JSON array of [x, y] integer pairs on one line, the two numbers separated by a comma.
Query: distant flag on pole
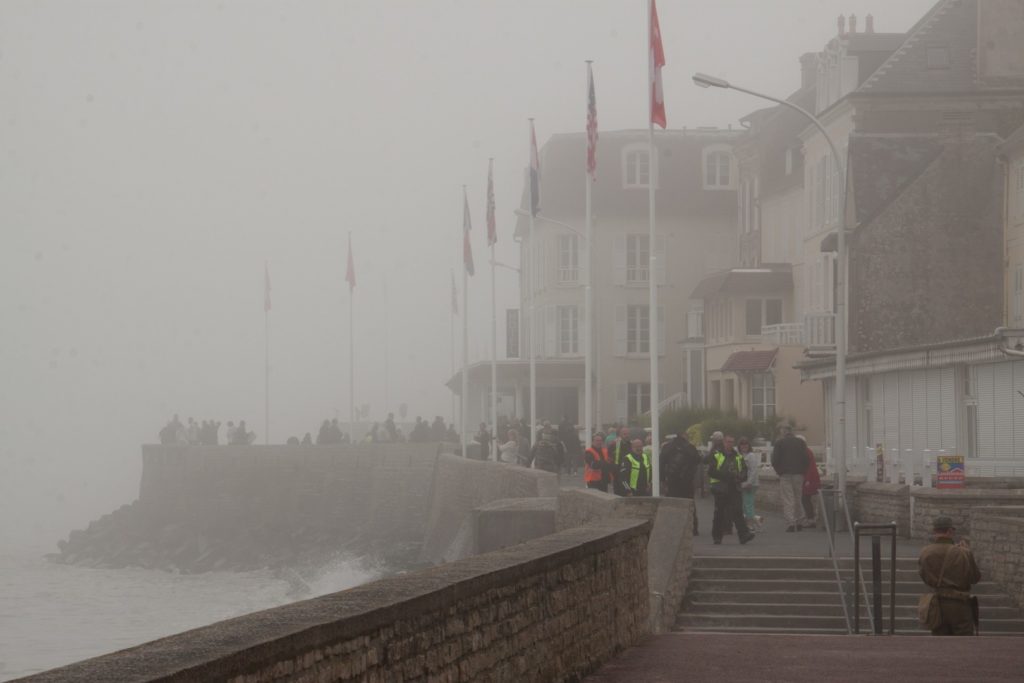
[[455, 296], [492, 226], [266, 287], [657, 61], [534, 173], [350, 275], [591, 125], [467, 225]]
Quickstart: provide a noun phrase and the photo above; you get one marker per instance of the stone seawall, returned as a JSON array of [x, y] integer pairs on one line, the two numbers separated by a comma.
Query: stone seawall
[[459, 486], [552, 609], [997, 539], [883, 503]]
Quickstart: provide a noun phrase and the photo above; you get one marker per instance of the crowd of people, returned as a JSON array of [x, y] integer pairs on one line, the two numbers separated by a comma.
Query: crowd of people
[[204, 433]]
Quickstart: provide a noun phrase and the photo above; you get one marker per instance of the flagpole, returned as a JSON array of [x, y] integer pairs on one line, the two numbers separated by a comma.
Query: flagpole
[[463, 398], [351, 353], [492, 238], [588, 360], [451, 309], [266, 365], [533, 308], [652, 279]]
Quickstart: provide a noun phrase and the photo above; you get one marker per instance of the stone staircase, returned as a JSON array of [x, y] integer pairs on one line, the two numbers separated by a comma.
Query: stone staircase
[[799, 595]]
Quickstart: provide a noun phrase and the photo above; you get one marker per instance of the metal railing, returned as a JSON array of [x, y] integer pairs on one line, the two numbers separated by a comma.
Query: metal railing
[[876, 576], [829, 515], [783, 334], [819, 329]]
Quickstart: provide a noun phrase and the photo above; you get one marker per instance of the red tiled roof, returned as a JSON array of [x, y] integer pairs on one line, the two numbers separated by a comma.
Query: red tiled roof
[[750, 361]]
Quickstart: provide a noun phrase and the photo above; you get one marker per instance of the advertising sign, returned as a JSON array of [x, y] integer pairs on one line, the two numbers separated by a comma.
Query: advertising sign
[[879, 464], [951, 472]]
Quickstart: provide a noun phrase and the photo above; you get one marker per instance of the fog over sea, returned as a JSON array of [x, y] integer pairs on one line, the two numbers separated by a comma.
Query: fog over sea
[[52, 614]]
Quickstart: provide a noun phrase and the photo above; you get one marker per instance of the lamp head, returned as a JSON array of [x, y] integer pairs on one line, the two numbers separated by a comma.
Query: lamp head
[[705, 81]]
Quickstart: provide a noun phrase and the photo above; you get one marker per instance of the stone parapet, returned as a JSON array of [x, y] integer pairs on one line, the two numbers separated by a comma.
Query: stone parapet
[[552, 609], [997, 539], [875, 503], [956, 504]]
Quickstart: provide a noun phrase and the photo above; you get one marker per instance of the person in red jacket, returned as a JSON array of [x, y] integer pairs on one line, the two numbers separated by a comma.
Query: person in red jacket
[[597, 465], [812, 482]]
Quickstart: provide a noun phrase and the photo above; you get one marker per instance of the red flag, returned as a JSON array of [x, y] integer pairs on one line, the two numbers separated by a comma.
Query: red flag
[[657, 61], [467, 248], [455, 297], [350, 275], [591, 125], [266, 287], [492, 227]]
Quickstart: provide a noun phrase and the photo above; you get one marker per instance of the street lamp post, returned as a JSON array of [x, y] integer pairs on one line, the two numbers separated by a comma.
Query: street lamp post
[[839, 397]]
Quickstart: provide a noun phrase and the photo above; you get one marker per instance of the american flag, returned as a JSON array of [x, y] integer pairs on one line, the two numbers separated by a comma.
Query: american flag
[[467, 225], [350, 276], [591, 125], [657, 61], [534, 173], [492, 226], [266, 287]]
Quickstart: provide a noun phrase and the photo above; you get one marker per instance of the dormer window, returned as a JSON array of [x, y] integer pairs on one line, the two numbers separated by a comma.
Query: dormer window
[[636, 166], [719, 171]]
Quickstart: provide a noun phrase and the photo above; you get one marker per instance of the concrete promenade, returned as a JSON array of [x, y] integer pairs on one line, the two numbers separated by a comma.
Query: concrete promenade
[[696, 658]]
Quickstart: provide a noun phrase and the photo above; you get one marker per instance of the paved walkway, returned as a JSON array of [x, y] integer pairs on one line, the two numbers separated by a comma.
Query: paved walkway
[[696, 658], [774, 541]]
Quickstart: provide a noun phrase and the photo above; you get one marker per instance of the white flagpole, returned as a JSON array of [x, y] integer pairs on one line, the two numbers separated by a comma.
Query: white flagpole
[[533, 310], [652, 279], [463, 398], [351, 354], [266, 373], [588, 359], [451, 309], [494, 339]]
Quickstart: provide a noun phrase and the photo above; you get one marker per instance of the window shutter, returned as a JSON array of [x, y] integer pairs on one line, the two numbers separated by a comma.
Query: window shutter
[[1003, 415], [1018, 409], [620, 330], [892, 413], [985, 389], [621, 405], [877, 410], [919, 429], [933, 410], [662, 335], [661, 252], [949, 399], [619, 260], [906, 413], [550, 331]]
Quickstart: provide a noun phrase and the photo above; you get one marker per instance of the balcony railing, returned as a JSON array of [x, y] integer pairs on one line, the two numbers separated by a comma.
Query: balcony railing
[[784, 334], [568, 275], [819, 330], [695, 325]]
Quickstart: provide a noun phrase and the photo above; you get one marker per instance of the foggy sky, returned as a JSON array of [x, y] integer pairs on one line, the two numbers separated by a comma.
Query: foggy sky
[[155, 154]]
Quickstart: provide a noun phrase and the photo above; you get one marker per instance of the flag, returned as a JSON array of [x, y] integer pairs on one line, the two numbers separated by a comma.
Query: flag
[[591, 125], [534, 173], [467, 248], [657, 61], [350, 275], [455, 296], [266, 287], [492, 227]]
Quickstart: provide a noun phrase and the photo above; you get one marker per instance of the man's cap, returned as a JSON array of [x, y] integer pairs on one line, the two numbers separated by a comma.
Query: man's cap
[[942, 524], [599, 434], [717, 435]]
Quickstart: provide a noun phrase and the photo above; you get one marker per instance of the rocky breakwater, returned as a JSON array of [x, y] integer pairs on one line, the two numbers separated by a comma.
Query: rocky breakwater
[[243, 508]]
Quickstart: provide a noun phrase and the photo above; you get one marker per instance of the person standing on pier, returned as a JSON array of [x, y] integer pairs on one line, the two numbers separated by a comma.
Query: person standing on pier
[[727, 470], [949, 568]]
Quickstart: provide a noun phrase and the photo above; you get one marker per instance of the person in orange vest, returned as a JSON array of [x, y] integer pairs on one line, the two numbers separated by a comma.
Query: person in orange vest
[[597, 467]]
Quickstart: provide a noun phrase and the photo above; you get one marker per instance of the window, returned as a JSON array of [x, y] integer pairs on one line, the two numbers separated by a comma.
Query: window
[[638, 331], [1019, 187], [718, 170], [636, 166], [638, 398], [1018, 295], [762, 396], [938, 57], [568, 330], [638, 258], [970, 397], [762, 312], [568, 259], [789, 161]]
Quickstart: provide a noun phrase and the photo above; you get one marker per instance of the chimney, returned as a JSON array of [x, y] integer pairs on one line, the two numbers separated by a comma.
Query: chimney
[[869, 24], [808, 69], [853, 23], [841, 22]]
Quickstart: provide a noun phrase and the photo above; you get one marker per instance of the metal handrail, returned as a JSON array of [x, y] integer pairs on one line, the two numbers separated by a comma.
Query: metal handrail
[[835, 563], [858, 575], [877, 576]]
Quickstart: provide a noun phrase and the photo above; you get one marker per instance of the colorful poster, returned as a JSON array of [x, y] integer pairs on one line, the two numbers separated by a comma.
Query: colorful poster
[[951, 472]]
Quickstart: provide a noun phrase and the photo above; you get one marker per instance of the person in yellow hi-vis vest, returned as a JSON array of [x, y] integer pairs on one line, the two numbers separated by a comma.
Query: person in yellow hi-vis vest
[[635, 471], [727, 470]]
